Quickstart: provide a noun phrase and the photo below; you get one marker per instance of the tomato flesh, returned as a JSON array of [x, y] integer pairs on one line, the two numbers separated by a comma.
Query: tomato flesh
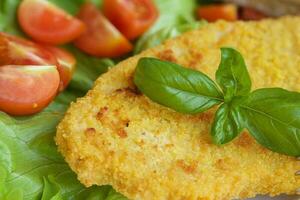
[[251, 14], [25, 90], [216, 12], [101, 38], [18, 51], [66, 67], [131, 17], [46, 23]]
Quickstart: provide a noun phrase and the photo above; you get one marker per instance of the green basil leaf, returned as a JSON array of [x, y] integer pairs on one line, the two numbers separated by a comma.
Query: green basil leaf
[[273, 118], [179, 88], [232, 74], [227, 124]]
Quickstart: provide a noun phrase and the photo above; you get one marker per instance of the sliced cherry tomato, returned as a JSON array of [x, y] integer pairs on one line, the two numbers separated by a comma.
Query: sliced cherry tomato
[[18, 51], [215, 12], [131, 17], [66, 67], [28, 89], [47, 23], [251, 14], [101, 37]]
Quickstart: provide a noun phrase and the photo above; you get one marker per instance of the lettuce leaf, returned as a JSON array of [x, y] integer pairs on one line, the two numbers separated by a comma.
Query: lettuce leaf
[[30, 166], [87, 70], [158, 37], [175, 16], [51, 189], [173, 12]]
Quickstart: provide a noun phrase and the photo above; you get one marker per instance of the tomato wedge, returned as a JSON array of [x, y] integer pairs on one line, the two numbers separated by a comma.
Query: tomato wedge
[[251, 14], [216, 12], [25, 90], [131, 17], [101, 37], [18, 51], [66, 67], [47, 23]]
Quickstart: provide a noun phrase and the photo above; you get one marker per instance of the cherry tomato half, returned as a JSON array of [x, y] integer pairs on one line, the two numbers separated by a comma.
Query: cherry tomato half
[[131, 17], [251, 14], [47, 23], [28, 89], [101, 37], [18, 51], [66, 67], [216, 12]]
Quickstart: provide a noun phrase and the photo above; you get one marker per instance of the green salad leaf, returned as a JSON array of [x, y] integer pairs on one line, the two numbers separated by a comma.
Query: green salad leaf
[[88, 69], [182, 89], [51, 189], [158, 37], [175, 17], [173, 12], [30, 167], [33, 167], [71, 7], [8, 17]]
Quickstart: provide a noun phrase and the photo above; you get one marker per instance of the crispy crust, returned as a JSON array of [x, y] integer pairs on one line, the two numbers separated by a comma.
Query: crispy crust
[[116, 136]]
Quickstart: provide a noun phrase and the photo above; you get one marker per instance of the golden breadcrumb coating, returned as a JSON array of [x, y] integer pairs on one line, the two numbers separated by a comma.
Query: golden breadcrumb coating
[[115, 135]]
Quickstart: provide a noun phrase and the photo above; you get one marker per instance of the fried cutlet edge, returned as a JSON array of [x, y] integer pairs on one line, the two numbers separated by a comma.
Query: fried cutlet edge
[[106, 84]]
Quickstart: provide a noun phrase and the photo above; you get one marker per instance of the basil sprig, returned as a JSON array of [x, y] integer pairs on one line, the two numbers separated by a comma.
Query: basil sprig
[[271, 115]]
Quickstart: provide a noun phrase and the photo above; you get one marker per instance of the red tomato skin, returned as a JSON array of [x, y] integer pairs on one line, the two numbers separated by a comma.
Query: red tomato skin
[[66, 67], [23, 91], [101, 38], [131, 17], [46, 23], [17, 51], [216, 12], [251, 14]]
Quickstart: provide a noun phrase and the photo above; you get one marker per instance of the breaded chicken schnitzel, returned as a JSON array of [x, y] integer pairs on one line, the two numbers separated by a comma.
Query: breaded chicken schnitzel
[[115, 135]]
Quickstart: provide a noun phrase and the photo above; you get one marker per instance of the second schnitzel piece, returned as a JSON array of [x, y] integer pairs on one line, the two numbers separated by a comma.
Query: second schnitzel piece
[[115, 135]]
